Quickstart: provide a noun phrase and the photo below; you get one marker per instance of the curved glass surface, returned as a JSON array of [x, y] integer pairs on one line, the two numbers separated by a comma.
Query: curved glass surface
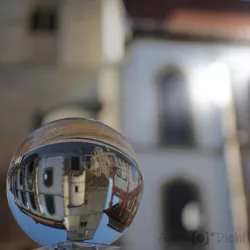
[[77, 185]]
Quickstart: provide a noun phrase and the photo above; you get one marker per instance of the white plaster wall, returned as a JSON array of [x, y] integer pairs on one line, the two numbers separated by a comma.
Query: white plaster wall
[[57, 163], [148, 57], [205, 170], [13, 31], [80, 33], [145, 59], [77, 198]]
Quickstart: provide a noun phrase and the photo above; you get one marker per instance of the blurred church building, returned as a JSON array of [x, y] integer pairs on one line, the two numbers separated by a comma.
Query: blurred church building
[[184, 103], [173, 77], [185, 108]]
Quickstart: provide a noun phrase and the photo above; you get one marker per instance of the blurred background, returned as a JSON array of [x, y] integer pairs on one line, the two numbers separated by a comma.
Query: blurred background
[[172, 76]]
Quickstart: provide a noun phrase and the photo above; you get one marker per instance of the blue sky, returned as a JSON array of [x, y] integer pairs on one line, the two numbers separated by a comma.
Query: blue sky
[[49, 236]]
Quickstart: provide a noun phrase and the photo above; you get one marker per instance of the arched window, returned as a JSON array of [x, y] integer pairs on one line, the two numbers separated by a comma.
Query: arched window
[[182, 215], [30, 174], [29, 165], [32, 201], [174, 109], [21, 176], [16, 193], [30, 168], [22, 194]]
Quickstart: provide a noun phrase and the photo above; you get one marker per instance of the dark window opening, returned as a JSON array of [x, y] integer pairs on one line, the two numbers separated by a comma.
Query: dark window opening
[[30, 167], [83, 224], [50, 205], [23, 198], [176, 196], [16, 193], [75, 163], [30, 170], [86, 202], [76, 189], [175, 115], [21, 177], [48, 177], [44, 19], [32, 201], [30, 183]]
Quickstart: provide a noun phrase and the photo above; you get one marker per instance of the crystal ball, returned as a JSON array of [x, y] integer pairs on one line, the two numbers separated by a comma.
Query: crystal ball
[[74, 180]]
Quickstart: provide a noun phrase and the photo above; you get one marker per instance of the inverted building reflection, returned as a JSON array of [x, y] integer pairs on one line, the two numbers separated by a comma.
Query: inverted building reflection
[[71, 185]]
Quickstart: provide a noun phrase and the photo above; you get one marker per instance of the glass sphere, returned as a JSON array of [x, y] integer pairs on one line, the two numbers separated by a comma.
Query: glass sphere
[[74, 180]]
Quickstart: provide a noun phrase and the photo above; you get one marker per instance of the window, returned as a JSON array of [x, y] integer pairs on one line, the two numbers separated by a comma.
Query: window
[[134, 172], [50, 205], [175, 117], [83, 224], [124, 176], [75, 163], [118, 172], [48, 177], [32, 201], [181, 214], [23, 198], [30, 167], [30, 183], [44, 19], [21, 176], [16, 193], [13, 181], [76, 189]]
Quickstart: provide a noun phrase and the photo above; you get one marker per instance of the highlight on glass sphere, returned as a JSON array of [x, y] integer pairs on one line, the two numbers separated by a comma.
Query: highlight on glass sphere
[[74, 180]]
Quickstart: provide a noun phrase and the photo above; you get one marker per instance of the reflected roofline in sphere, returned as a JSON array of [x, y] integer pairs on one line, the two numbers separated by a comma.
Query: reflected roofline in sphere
[[85, 119], [75, 128]]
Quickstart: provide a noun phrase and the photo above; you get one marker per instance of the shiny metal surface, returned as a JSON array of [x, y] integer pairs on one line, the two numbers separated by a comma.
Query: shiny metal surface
[[74, 180]]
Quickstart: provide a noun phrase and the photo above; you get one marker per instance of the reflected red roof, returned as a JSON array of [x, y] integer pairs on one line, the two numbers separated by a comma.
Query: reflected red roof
[[160, 9], [209, 24], [217, 19]]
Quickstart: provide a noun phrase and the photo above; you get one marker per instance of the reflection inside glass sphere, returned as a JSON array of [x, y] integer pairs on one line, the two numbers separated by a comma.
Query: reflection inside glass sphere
[[79, 186]]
